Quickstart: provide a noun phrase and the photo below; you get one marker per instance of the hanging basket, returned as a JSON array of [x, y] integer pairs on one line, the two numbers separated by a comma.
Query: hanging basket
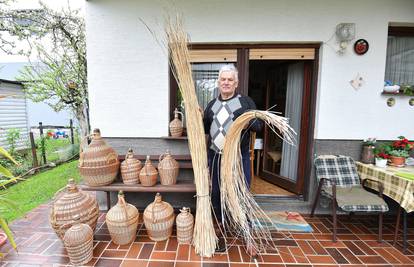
[[148, 174], [122, 221], [130, 169], [98, 163], [168, 168], [159, 219], [74, 202], [78, 241]]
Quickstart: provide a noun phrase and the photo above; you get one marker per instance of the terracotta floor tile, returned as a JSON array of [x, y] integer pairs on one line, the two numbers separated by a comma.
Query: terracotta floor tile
[[234, 254], [349, 256], [183, 252], [160, 264], [321, 259], [286, 255], [317, 248], [172, 244], [146, 251], [218, 257], [99, 248], [330, 244], [134, 263], [112, 245], [298, 255], [187, 264], [371, 259], [271, 258], [354, 248], [134, 250], [113, 253], [163, 255], [125, 247], [337, 256], [306, 248], [400, 256], [303, 236], [193, 255], [367, 250], [108, 263], [207, 264], [387, 256], [160, 245]]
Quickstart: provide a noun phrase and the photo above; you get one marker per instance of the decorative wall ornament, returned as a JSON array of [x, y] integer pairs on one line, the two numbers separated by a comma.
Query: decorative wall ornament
[[361, 46], [357, 82], [391, 101]]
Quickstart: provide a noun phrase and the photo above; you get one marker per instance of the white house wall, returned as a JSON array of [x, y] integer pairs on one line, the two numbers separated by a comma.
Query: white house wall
[[128, 72]]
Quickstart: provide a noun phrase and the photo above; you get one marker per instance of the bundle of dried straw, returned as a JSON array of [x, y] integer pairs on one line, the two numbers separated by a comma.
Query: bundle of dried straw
[[241, 210], [204, 237]]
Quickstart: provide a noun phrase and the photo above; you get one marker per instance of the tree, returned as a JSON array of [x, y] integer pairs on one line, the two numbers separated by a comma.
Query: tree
[[58, 77]]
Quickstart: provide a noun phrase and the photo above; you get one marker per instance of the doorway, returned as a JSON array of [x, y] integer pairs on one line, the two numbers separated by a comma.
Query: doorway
[[279, 85]]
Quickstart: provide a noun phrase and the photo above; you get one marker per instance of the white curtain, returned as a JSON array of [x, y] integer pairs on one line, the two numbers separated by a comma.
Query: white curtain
[[289, 164], [400, 60]]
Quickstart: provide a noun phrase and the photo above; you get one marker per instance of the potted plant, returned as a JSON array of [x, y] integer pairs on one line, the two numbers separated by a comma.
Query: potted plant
[[367, 154], [399, 151], [381, 159]]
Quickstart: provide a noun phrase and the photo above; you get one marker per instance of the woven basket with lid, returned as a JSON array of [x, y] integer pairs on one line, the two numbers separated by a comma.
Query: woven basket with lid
[[98, 163], [130, 168], [159, 219], [78, 241], [185, 226], [168, 168], [122, 221], [73, 202], [176, 125], [148, 174]]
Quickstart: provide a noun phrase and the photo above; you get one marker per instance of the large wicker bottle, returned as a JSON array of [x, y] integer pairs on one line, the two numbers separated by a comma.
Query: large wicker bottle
[[148, 174], [159, 219], [71, 203], [176, 125], [78, 241], [98, 163], [185, 225], [168, 168], [130, 168], [122, 221]]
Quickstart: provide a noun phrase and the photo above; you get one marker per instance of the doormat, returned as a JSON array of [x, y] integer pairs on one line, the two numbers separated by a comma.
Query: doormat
[[286, 221]]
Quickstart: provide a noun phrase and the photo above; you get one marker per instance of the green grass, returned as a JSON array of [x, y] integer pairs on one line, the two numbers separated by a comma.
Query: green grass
[[51, 146], [39, 188]]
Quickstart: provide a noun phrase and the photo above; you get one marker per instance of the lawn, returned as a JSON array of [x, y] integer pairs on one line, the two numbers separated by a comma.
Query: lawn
[[39, 188]]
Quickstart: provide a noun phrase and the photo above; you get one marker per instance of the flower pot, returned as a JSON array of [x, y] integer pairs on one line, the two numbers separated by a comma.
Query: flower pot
[[380, 162], [367, 155], [3, 239], [397, 161]]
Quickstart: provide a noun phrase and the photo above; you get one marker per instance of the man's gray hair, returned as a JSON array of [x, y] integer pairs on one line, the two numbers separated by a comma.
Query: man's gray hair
[[231, 68]]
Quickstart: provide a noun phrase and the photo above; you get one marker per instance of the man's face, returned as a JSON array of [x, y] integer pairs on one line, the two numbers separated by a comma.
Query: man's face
[[227, 83]]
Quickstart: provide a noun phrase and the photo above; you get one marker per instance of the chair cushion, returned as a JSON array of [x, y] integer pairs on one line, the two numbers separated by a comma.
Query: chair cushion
[[356, 198], [340, 169]]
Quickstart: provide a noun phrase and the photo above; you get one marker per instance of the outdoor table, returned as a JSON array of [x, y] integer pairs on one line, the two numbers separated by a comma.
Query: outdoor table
[[396, 187]]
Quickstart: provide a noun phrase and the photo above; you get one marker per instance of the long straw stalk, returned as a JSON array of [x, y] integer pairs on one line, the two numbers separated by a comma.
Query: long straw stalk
[[204, 237]]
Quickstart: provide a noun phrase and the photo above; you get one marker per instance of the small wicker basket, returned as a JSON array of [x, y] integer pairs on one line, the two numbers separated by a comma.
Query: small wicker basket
[[78, 241], [185, 226], [159, 219], [67, 205], [176, 125], [130, 169], [168, 168], [122, 221], [148, 174]]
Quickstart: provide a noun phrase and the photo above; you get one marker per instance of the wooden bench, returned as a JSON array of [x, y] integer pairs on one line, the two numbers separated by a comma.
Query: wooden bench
[[182, 186]]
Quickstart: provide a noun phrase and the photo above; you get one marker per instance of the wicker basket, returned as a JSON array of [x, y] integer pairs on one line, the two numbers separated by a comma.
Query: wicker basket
[[176, 125], [122, 221], [78, 242], [130, 169], [185, 226], [98, 164], [168, 169], [73, 203], [159, 219], [148, 174]]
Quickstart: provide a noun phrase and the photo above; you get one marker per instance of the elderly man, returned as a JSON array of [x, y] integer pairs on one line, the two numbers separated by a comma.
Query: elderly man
[[218, 117]]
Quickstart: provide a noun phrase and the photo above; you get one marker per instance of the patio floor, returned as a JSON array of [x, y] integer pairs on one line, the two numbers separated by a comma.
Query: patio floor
[[39, 246]]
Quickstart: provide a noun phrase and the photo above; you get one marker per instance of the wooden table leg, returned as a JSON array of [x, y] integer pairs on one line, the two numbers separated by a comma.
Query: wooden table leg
[[108, 200], [397, 226], [404, 230]]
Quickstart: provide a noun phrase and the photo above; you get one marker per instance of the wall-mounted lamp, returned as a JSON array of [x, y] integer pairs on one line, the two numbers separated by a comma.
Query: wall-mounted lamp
[[345, 32]]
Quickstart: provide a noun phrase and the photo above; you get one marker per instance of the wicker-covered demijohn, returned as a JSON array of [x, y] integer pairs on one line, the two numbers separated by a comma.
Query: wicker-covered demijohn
[[98, 163], [159, 219], [148, 174], [130, 168], [185, 226], [78, 241], [168, 168], [74, 202], [122, 221], [176, 125]]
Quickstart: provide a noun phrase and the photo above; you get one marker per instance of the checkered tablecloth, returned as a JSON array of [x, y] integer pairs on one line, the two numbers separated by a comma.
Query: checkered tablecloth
[[399, 189]]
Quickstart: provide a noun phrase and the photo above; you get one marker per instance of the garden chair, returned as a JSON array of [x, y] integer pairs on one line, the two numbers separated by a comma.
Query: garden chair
[[339, 180]]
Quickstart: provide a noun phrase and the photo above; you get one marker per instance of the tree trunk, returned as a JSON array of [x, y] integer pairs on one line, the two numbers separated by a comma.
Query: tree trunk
[[83, 122]]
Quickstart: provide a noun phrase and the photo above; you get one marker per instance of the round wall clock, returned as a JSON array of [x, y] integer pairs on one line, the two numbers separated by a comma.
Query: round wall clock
[[361, 46]]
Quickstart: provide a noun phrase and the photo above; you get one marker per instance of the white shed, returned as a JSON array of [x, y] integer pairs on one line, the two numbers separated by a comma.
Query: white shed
[[13, 113]]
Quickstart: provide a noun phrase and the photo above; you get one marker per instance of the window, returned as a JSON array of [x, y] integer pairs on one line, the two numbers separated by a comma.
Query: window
[[399, 67]]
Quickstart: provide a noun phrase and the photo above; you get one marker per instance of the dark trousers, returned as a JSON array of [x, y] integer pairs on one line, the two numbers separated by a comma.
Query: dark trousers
[[214, 160]]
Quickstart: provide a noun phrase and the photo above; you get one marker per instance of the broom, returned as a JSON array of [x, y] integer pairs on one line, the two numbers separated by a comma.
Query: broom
[[204, 236], [240, 208]]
